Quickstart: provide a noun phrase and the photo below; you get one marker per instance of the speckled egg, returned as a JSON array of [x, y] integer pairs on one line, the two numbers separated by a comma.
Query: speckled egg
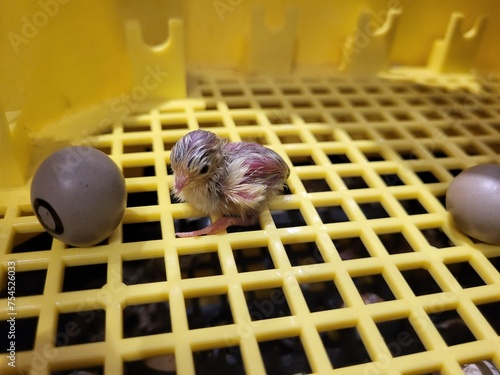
[[79, 196], [473, 200]]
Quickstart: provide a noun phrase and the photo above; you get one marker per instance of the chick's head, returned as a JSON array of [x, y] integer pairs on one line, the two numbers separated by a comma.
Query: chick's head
[[195, 158]]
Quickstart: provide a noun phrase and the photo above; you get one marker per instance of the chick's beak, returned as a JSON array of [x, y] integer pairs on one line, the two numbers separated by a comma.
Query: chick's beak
[[180, 182]]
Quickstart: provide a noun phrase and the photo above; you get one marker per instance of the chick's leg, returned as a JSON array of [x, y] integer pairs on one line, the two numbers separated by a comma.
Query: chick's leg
[[219, 225]]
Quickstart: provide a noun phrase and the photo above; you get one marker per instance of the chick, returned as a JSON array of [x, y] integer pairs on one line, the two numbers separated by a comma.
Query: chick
[[231, 180]]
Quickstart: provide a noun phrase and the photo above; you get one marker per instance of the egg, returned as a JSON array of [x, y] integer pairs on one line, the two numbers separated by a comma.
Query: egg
[[78, 195], [473, 200]]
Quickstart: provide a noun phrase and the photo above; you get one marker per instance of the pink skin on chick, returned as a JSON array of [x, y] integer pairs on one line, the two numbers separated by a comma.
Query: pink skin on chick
[[232, 180]]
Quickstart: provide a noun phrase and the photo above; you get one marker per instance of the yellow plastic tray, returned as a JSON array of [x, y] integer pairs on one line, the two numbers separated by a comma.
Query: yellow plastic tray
[[363, 222]]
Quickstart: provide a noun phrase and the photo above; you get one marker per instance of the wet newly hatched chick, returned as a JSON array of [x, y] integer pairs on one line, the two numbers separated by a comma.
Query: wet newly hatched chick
[[231, 180]]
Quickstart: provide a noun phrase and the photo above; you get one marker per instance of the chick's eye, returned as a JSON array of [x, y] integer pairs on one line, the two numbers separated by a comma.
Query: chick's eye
[[204, 169]]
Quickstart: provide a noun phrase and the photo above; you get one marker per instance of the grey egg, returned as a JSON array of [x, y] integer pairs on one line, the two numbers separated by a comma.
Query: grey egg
[[473, 200], [78, 195]]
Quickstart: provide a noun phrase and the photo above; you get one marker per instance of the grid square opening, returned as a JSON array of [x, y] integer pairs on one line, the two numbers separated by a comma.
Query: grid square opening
[[427, 177], [344, 347], [303, 253], [245, 121], [253, 259], [359, 102], [322, 295], [374, 116], [332, 214], [331, 103], [400, 337], [266, 303], [288, 218], [412, 206], [255, 138], [372, 89], [395, 243], [138, 171], [231, 92], [407, 154], [373, 288], [80, 327], [26, 242], [455, 171], [465, 274], [316, 185], [438, 152], [301, 103], [85, 277], [284, 356], [137, 148], [347, 90], [358, 134], [209, 123], [402, 116], [323, 135], [420, 281], [191, 223], [141, 271], [355, 182], [386, 102], [343, 117], [490, 312], [146, 319], [291, 90], [173, 123], [351, 248], [319, 90], [289, 138], [208, 310], [226, 360], [373, 156], [451, 327], [373, 210], [135, 126], [392, 179], [270, 104], [389, 133], [142, 198], [472, 149], [494, 146], [262, 91], [247, 228], [138, 232], [338, 158], [280, 117], [301, 160], [437, 238], [200, 265]]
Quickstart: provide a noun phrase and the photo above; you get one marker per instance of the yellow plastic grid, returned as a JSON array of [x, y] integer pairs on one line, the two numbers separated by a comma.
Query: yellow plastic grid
[[348, 251]]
